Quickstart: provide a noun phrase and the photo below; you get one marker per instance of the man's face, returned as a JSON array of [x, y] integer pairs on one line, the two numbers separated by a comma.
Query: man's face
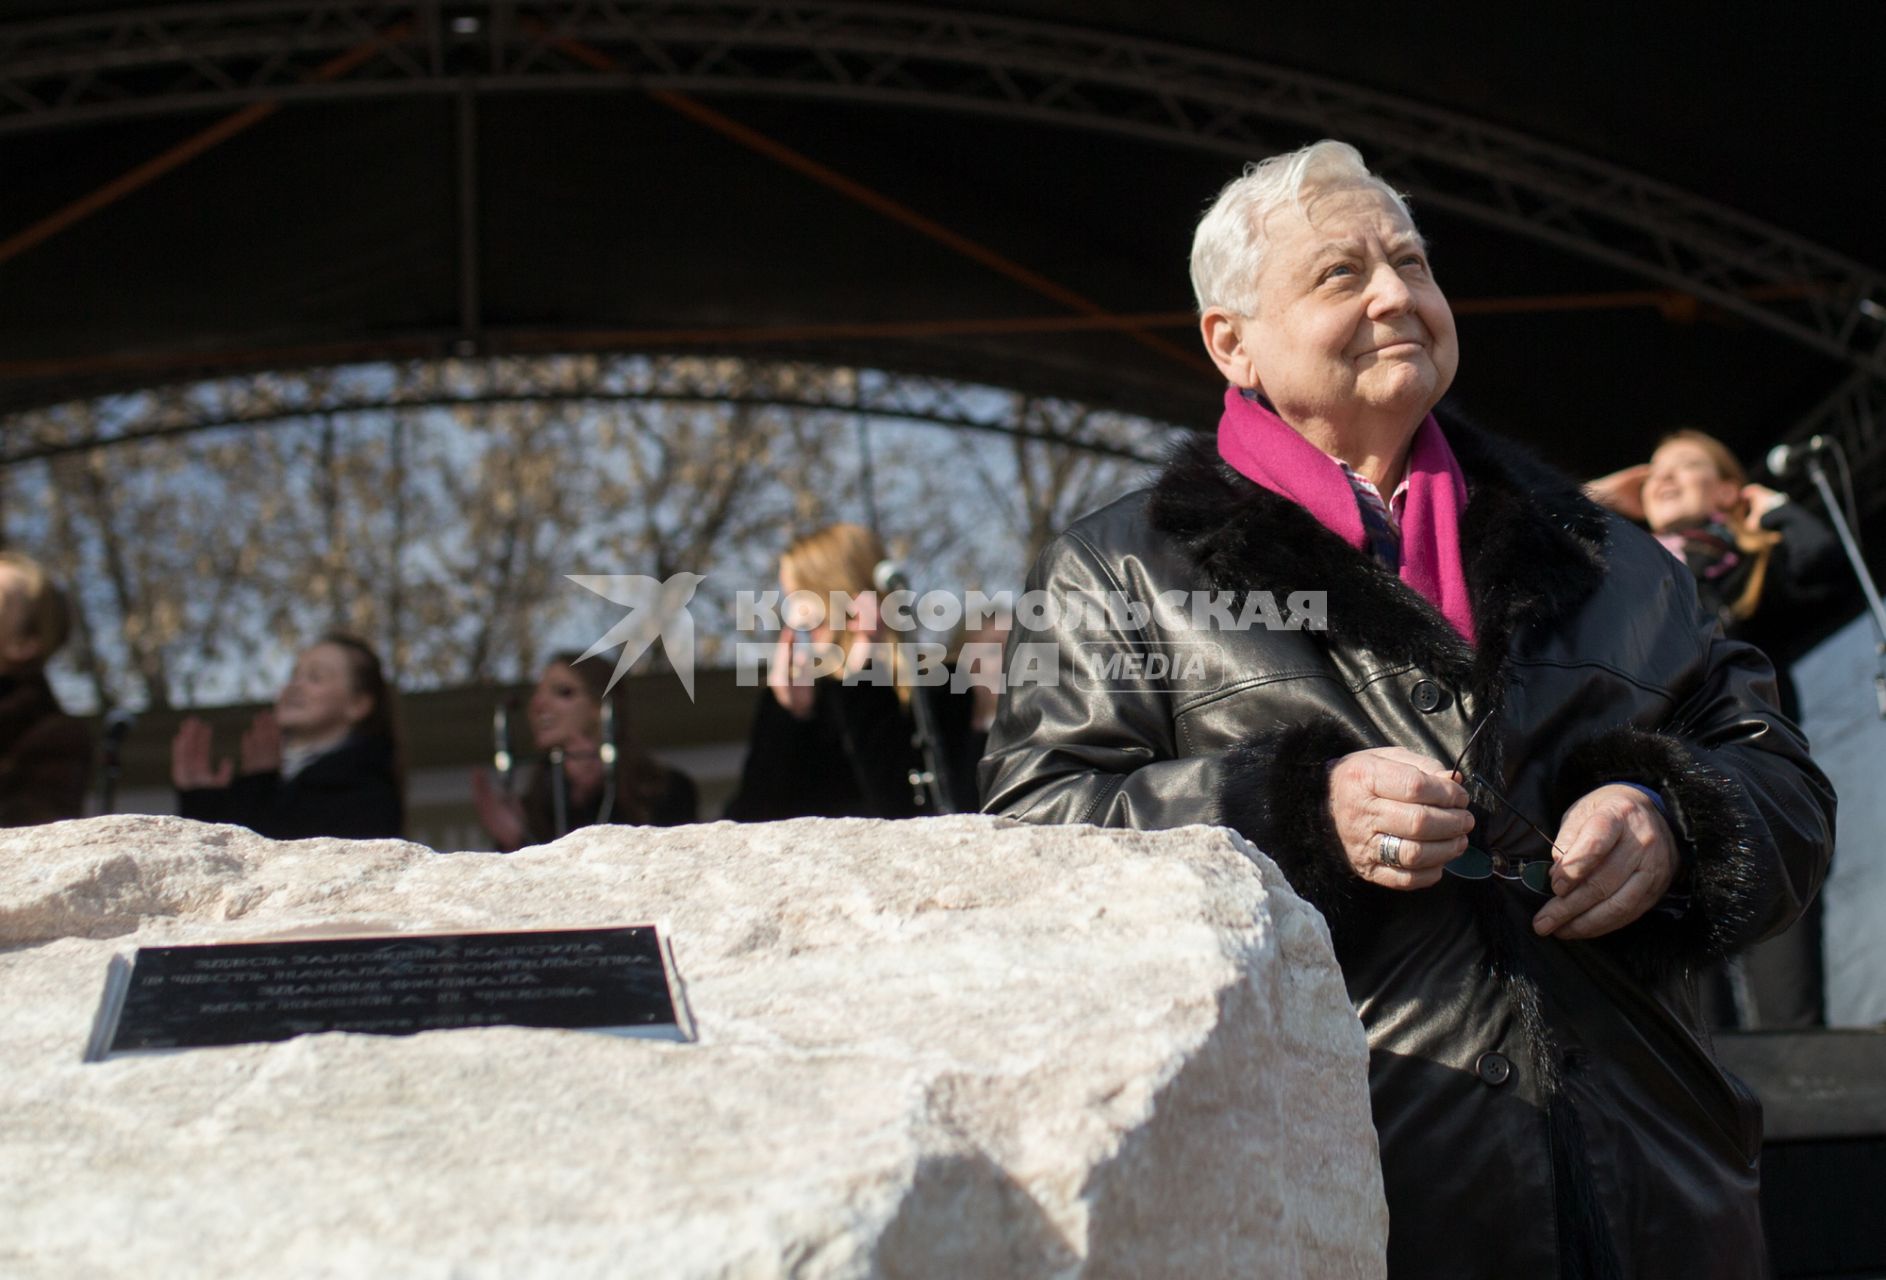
[[1349, 318]]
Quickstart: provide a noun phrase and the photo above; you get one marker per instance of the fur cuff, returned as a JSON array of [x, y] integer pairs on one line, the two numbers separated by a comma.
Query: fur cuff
[[1708, 815], [1276, 794]]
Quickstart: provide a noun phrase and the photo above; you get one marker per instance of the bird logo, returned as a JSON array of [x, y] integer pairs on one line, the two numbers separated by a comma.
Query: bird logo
[[656, 609]]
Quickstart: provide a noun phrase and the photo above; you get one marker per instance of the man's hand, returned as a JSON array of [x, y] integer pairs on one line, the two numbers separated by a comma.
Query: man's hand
[[1389, 791], [1618, 861]]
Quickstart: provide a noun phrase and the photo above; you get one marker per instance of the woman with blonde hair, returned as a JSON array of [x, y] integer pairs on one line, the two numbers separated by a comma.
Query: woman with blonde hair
[[45, 754], [834, 732], [1762, 563]]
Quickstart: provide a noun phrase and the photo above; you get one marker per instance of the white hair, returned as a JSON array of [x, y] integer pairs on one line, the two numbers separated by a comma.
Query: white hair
[[1228, 247]]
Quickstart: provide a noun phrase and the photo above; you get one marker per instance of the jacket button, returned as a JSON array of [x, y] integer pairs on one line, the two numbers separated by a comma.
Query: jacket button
[[1494, 1068], [1426, 696]]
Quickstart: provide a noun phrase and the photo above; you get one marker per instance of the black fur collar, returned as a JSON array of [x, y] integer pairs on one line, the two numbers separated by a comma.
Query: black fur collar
[[1533, 549]]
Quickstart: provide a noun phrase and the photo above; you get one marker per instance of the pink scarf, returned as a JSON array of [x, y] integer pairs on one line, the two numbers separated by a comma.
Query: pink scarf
[[1266, 450]]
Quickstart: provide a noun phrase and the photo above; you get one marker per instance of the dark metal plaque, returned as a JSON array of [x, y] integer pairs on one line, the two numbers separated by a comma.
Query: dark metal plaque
[[245, 992]]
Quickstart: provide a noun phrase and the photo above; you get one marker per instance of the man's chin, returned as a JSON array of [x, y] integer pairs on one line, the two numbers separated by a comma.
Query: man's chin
[[1414, 392]]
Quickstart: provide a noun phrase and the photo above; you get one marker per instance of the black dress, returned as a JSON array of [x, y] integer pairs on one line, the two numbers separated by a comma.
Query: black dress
[[675, 805], [852, 758], [351, 793]]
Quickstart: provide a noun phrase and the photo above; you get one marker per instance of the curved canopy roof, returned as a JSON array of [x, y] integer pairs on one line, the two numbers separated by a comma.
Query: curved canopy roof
[[1644, 220]]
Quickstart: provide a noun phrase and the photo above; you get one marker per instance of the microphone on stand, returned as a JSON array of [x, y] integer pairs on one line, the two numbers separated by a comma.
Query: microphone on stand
[[889, 576], [1784, 459], [931, 782]]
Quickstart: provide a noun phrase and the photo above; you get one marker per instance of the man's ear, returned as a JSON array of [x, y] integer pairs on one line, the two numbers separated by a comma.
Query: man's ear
[[1223, 332], [358, 708]]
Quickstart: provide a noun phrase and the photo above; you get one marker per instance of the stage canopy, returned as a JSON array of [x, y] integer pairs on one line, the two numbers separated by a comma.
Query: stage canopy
[[1646, 219]]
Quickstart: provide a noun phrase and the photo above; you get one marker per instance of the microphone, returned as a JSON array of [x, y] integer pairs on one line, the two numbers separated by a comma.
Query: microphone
[[1785, 458], [118, 725], [889, 577]]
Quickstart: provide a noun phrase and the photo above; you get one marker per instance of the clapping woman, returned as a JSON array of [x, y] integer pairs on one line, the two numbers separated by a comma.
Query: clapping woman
[[324, 762], [570, 731]]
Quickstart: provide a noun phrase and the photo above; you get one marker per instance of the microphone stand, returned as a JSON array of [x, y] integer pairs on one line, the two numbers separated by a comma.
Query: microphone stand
[[934, 777], [931, 780], [111, 763], [559, 794], [608, 751], [502, 761], [1818, 474]]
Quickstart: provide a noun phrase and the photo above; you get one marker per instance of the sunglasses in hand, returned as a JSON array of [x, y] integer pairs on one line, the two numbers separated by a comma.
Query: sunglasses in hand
[[1478, 863]]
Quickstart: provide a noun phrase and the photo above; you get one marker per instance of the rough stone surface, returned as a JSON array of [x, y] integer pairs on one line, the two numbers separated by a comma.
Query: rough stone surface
[[959, 1047]]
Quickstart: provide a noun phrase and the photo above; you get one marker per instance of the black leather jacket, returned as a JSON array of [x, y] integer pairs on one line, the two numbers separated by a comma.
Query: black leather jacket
[[1544, 1107]]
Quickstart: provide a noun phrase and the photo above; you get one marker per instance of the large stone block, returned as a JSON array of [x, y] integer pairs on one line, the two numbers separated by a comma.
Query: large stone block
[[957, 1047]]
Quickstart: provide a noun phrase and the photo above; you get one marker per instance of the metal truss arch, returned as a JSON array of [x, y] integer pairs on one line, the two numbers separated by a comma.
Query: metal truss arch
[[262, 400], [191, 57]]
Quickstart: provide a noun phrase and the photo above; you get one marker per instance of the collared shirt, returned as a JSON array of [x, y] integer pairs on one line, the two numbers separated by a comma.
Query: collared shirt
[[1381, 521]]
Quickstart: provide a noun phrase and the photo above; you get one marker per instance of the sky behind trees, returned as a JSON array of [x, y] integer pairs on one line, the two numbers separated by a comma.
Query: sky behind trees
[[441, 529]]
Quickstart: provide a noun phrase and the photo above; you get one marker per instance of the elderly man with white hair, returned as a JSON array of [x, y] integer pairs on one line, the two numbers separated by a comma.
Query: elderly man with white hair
[[1522, 774]]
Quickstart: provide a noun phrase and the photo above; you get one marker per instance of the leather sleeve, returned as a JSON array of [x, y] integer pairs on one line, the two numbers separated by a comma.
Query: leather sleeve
[[1754, 812], [1276, 793], [1067, 747]]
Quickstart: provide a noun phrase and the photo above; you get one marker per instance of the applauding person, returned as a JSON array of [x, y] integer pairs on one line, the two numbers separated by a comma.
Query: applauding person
[[324, 762], [568, 727], [45, 755]]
